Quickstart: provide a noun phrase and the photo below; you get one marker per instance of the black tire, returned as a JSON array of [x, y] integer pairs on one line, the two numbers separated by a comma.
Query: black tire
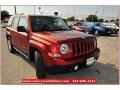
[[40, 66], [10, 46], [117, 32]]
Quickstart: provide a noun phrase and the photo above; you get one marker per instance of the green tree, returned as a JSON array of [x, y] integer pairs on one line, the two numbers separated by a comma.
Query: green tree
[[72, 18], [76, 20], [100, 20], [81, 20], [112, 20], [56, 13], [4, 14], [92, 18], [106, 20]]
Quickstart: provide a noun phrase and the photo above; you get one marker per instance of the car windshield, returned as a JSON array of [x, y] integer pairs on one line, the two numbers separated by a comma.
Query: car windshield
[[98, 24], [85, 24], [80, 24], [47, 23]]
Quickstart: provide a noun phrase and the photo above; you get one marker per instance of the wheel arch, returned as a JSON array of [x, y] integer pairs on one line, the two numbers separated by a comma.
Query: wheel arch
[[37, 46]]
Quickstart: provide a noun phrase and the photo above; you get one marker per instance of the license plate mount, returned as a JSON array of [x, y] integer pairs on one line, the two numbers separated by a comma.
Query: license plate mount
[[90, 61]]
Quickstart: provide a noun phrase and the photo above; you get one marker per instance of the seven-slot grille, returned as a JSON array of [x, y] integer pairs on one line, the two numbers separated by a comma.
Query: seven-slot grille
[[83, 47]]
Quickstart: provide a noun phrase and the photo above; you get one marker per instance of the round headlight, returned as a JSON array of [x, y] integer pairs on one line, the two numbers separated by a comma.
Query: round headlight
[[64, 48]]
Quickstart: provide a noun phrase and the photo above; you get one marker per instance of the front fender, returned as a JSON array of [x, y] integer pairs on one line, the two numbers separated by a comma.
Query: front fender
[[41, 48]]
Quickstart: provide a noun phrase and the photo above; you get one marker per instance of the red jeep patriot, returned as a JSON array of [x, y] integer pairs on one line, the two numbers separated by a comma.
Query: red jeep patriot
[[49, 42]]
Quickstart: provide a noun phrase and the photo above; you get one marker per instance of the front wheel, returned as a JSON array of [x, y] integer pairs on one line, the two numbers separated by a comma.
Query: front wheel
[[40, 66]]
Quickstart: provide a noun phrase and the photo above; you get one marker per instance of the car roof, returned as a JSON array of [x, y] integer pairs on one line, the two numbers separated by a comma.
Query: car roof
[[33, 15]]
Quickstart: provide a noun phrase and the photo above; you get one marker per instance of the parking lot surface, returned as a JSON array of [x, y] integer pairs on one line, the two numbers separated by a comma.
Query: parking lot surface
[[15, 67]]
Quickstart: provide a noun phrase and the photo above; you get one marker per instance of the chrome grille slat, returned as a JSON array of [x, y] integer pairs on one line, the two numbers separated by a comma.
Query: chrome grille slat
[[78, 48], [73, 48], [83, 47]]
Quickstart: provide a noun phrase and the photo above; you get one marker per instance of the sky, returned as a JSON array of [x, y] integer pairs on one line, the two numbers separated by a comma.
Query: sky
[[79, 12]]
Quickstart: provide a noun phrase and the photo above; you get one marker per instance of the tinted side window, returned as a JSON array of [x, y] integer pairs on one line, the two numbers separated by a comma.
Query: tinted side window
[[5, 21], [15, 22], [23, 22]]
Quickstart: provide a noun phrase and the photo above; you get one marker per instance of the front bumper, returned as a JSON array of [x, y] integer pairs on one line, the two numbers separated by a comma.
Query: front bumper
[[114, 31], [105, 32], [59, 62]]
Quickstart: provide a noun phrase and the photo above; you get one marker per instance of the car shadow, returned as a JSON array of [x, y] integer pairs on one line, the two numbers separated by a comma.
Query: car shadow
[[103, 73], [25, 59], [113, 35]]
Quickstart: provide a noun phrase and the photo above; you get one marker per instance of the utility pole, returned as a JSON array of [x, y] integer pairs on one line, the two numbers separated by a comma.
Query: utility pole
[[74, 12], [15, 10], [34, 10]]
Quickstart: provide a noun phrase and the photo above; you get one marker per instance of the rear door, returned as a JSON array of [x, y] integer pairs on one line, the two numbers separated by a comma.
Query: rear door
[[22, 37], [12, 28]]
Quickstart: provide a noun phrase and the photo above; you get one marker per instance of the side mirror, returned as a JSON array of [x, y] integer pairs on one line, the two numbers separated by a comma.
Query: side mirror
[[9, 25], [21, 29]]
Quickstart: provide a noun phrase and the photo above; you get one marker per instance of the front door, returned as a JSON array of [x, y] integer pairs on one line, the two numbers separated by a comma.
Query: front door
[[22, 37]]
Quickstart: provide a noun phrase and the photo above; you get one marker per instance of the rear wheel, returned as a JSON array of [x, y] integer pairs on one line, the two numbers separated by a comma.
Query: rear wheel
[[10, 46], [40, 66]]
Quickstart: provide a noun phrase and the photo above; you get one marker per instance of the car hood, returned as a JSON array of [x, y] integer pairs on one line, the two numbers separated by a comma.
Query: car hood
[[112, 27], [100, 27], [60, 36], [84, 27]]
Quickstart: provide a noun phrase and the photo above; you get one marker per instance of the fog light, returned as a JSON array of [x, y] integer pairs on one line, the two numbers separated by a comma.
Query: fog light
[[76, 67]]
